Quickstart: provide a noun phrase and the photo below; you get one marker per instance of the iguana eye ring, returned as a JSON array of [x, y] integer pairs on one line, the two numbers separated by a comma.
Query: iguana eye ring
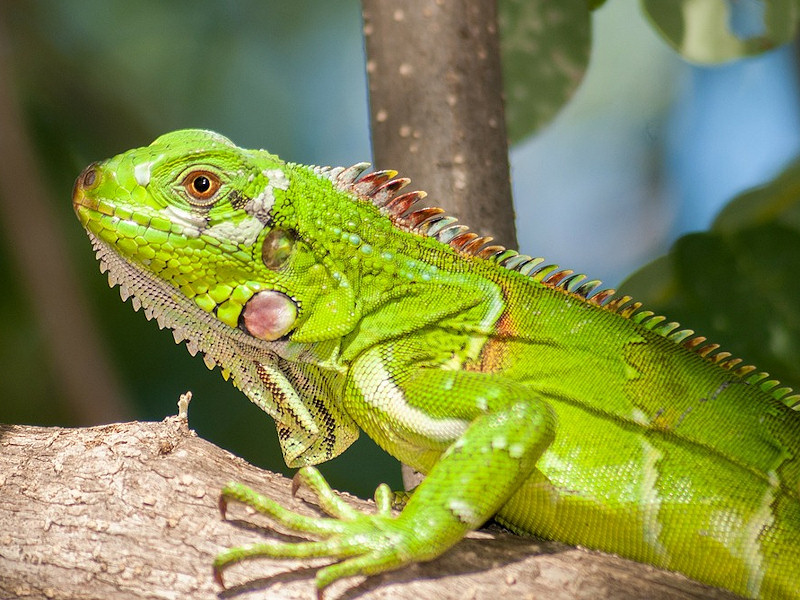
[[201, 187]]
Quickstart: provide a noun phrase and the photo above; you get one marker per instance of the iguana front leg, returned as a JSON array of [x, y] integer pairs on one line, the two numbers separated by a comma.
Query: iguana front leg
[[489, 433]]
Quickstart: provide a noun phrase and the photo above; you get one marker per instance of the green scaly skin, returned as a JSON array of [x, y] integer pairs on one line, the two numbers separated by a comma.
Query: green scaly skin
[[523, 393]]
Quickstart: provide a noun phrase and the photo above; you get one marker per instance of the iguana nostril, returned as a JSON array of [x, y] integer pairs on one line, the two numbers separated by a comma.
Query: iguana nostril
[[86, 180], [89, 177]]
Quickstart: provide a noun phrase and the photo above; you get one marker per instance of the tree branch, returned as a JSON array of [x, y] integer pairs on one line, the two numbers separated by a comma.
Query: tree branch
[[436, 105], [129, 511]]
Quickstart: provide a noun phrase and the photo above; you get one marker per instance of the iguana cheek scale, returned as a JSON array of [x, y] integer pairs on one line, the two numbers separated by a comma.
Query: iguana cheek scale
[[523, 391]]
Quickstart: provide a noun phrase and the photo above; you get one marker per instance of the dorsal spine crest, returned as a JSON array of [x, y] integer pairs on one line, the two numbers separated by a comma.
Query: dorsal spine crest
[[380, 189]]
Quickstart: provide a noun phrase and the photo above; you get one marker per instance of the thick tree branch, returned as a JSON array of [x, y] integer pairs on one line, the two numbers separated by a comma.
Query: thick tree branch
[[129, 511]]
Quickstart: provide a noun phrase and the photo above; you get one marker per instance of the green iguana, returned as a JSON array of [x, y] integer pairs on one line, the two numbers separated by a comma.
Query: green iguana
[[524, 393]]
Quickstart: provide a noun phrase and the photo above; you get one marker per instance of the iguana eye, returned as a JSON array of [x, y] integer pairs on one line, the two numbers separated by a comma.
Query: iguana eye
[[201, 186]]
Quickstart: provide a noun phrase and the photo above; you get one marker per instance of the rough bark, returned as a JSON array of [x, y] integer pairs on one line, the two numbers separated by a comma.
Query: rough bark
[[436, 106], [129, 511]]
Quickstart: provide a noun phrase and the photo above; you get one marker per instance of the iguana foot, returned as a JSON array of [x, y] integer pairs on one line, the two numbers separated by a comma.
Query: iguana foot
[[366, 543]]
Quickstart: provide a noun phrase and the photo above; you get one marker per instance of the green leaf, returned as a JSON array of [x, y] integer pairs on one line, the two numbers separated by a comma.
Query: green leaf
[[775, 202], [738, 283], [701, 30], [545, 47]]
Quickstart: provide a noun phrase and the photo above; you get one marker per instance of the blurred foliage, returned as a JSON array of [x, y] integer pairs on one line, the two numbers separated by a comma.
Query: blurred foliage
[[713, 31], [545, 48], [546, 45], [737, 283]]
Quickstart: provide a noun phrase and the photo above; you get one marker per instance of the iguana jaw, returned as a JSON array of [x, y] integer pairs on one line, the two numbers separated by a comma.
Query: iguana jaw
[[247, 361], [201, 331]]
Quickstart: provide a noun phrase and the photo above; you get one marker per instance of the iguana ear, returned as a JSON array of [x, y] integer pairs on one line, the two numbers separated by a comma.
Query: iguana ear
[[326, 299]]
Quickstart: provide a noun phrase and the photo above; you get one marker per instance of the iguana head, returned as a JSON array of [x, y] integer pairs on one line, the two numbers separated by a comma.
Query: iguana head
[[211, 220], [204, 237]]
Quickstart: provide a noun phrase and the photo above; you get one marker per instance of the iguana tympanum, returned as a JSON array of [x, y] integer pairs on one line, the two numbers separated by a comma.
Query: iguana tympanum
[[524, 393]]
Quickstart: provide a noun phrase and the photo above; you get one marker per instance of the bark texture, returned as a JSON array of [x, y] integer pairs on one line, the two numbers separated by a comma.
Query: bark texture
[[129, 511], [435, 88]]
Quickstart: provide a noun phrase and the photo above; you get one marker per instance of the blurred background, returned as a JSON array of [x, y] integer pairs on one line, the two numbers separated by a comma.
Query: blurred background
[[650, 147]]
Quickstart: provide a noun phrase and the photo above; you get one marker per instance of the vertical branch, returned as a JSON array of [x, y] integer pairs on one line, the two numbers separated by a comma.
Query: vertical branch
[[436, 105]]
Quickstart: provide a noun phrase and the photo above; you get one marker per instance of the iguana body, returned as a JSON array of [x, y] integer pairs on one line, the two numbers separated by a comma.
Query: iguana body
[[564, 412]]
